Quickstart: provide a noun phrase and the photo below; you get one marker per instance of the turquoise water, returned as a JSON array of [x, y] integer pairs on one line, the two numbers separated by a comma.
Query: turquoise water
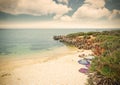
[[23, 41]]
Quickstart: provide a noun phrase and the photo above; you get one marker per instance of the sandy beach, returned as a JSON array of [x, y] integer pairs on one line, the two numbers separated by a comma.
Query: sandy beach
[[63, 70]]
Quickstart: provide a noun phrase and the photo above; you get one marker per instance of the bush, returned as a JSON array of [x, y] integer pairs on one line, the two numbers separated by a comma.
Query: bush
[[73, 35]]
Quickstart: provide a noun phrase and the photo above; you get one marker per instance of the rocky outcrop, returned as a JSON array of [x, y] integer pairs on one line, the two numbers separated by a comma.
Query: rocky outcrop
[[81, 42], [58, 37]]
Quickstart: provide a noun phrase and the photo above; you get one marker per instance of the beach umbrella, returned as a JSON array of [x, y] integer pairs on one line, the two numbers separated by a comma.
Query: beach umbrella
[[90, 57], [83, 70], [83, 62], [87, 65]]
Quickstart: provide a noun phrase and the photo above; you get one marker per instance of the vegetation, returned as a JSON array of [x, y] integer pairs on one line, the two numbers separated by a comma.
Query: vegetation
[[107, 65], [105, 68], [73, 35]]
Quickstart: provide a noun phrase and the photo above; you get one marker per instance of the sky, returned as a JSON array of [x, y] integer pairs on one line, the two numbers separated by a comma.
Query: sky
[[59, 14]]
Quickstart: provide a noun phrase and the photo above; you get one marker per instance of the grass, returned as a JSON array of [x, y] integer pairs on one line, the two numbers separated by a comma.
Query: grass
[[108, 63]]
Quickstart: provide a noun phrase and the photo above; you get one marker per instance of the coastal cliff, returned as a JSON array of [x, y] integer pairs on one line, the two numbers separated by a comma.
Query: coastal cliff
[[105, 68]]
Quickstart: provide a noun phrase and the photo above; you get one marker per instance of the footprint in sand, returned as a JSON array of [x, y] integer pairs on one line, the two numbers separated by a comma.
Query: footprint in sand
[[5, 74]]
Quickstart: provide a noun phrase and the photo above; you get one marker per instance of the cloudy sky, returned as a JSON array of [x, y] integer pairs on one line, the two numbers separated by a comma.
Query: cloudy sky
[[59, 13]]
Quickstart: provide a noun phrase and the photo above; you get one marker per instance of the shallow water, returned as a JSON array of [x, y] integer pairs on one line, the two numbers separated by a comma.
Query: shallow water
[[26, 41]]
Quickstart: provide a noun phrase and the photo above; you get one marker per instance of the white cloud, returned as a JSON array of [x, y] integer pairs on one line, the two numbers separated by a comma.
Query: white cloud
[[66, 18], [89, 15], [92, 9], [115, 14], [95, 3], [94, 14], [63, 1], [33, 7]]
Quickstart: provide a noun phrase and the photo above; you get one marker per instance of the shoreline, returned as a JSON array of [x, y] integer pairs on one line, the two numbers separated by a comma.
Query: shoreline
[[39, 57], [55, 70]]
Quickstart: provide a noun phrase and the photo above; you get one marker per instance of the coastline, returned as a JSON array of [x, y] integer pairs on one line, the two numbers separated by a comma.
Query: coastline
[[38, 57], [104, 68], [59, 69]]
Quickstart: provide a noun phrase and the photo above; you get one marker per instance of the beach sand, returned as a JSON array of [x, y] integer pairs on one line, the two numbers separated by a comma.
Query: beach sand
[[63, 70]]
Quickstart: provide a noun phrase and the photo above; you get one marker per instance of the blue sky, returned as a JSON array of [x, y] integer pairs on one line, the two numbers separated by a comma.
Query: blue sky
[[59, 13]]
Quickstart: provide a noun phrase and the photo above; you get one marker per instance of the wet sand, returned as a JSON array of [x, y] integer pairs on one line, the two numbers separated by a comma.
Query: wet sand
[[56, 70]]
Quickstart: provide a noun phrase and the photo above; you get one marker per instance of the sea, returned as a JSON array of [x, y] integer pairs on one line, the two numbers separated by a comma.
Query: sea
[[26, 41]]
